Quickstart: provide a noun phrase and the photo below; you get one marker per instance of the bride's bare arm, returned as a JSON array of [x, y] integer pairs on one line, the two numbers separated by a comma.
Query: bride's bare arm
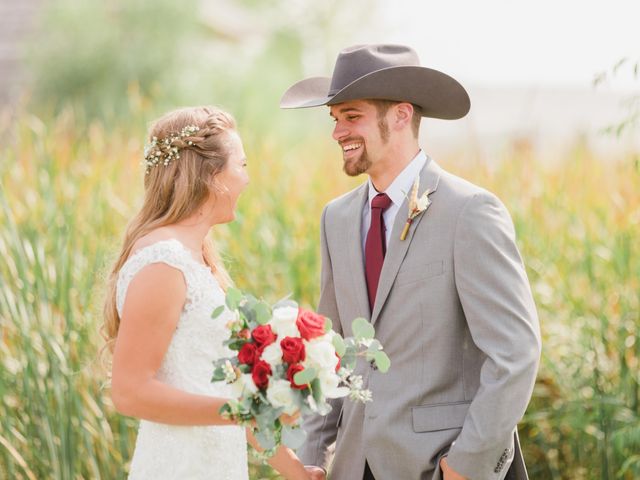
[[150, 314]]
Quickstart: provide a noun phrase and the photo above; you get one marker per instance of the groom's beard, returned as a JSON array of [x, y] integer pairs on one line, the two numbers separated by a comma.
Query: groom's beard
[[358, 165]]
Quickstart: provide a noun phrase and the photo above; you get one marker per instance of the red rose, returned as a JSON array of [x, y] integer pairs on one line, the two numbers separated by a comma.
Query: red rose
[[292, 350], [338, 364], [293, 369], [310, 324], [263, 336], [248, 354], [260, 374]]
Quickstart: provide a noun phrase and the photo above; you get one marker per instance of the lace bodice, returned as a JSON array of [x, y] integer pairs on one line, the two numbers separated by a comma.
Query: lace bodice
[[165, 451]]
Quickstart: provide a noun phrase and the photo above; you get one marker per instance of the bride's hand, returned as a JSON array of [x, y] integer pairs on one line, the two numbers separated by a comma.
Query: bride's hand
[[289, 419]]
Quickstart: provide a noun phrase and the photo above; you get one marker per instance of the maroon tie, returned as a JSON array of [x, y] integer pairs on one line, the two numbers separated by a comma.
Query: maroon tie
[[375, 245]]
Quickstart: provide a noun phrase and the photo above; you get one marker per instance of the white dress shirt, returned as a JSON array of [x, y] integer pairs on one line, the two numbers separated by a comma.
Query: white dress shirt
[[399, 189]]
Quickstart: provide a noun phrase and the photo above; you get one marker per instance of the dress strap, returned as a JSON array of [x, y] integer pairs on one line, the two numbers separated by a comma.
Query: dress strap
[[170, 252]]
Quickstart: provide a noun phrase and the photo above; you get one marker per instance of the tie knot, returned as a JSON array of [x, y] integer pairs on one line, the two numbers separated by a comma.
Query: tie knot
[[381, 200]]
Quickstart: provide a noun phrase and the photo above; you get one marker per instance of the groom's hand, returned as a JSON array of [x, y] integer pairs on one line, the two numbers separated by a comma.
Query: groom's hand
[[316, 473], [449, 473]]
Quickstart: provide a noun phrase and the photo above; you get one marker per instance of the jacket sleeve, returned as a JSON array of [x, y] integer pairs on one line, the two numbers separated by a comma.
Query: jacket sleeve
[[496, 298], [322, 430]]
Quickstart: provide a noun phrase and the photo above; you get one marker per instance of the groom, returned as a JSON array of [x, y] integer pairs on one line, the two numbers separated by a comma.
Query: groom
[[450, 301]]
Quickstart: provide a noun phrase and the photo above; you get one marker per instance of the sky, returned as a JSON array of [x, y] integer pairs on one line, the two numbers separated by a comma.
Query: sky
[[533, 43]]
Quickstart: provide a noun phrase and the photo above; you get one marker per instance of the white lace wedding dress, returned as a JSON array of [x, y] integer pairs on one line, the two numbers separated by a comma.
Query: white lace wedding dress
[[185, 452]]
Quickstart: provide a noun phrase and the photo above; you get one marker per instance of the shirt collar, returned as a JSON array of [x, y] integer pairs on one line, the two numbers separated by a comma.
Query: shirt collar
[[401, 185]]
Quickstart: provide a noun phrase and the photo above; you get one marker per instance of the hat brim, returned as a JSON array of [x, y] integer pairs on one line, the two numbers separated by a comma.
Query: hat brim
[[436, 93]]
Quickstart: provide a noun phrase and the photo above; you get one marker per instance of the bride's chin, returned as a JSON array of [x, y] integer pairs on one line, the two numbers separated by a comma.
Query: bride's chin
[[226, 219]]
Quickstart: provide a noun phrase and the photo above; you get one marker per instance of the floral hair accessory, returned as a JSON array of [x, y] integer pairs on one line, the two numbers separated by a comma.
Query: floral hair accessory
[[417, 205], [163, 151]]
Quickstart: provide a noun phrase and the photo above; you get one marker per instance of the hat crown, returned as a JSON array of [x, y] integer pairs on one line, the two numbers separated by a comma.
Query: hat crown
[[357, 61]]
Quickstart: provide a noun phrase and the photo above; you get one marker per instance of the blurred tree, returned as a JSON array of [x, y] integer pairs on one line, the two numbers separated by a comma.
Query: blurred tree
[[89, 53], [105, 58]]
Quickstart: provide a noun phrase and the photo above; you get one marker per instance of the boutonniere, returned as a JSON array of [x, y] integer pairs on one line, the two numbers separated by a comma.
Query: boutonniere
[[417, 205]]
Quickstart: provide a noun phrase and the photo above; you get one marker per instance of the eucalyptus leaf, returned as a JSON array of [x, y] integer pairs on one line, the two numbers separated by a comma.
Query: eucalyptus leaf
[[266, 439], [218, 375], [263, 313], [338, 344], [267, 417], [293, 437], [234, 297], [348, 360], [217, 312], [305, 376], [362, 329], [328, 325], [247, 311], [237, 344], [316, 390], [382, 361]]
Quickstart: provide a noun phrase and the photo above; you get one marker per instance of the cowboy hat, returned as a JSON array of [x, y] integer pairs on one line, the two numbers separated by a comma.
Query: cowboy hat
[[388, 72]]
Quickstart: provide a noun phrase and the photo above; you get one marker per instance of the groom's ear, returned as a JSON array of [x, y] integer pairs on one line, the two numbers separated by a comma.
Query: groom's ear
[[402, 115]]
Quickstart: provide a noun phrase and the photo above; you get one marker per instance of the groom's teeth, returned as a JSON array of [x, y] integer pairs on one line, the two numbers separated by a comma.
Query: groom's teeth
[[353, 146]]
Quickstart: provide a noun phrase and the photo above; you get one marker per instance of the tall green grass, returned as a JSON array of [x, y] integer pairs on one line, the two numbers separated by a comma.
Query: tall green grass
[[67, 190]]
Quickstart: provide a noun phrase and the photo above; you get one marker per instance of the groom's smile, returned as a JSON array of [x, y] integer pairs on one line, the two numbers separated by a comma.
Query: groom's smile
[[351, 149]]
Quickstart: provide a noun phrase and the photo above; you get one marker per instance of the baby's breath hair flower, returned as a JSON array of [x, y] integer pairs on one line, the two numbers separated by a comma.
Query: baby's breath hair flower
[[163, 151]]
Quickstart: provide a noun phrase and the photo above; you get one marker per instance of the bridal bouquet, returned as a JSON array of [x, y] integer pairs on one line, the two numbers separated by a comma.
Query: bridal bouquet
[[289, 361]]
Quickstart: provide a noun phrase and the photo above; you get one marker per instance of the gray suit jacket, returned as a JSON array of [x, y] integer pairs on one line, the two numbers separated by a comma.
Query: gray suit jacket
[[455, 314]]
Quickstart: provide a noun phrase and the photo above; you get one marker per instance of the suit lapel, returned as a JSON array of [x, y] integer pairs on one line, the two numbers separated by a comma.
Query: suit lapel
[[397, 249], [353, 225]]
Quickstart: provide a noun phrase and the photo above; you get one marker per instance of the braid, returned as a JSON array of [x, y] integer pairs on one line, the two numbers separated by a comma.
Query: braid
[[201, 140]]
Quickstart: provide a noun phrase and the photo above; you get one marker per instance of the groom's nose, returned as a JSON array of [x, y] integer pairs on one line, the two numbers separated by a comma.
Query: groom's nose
[[339, 131]]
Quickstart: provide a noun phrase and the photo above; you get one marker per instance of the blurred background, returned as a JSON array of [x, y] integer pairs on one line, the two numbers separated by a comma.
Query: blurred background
[[553, 131]]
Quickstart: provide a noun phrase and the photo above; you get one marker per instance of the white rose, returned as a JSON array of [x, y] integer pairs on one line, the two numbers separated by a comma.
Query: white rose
[[283, 322], [280, 395], [272, 354], [243, 385], [329, 383], [321, 354], [327, 337]]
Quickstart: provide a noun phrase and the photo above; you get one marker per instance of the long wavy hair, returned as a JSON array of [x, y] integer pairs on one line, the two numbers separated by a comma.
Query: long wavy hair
[[175, 191]]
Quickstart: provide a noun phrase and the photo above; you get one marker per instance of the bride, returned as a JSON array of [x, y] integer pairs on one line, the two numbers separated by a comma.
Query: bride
[[163, 288]]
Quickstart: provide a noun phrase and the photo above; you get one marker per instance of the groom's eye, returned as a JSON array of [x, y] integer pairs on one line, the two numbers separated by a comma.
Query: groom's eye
[[352, 117]]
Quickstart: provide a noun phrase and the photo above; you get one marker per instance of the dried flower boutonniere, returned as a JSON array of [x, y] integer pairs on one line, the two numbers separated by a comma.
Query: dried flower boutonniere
[[416, 206]]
